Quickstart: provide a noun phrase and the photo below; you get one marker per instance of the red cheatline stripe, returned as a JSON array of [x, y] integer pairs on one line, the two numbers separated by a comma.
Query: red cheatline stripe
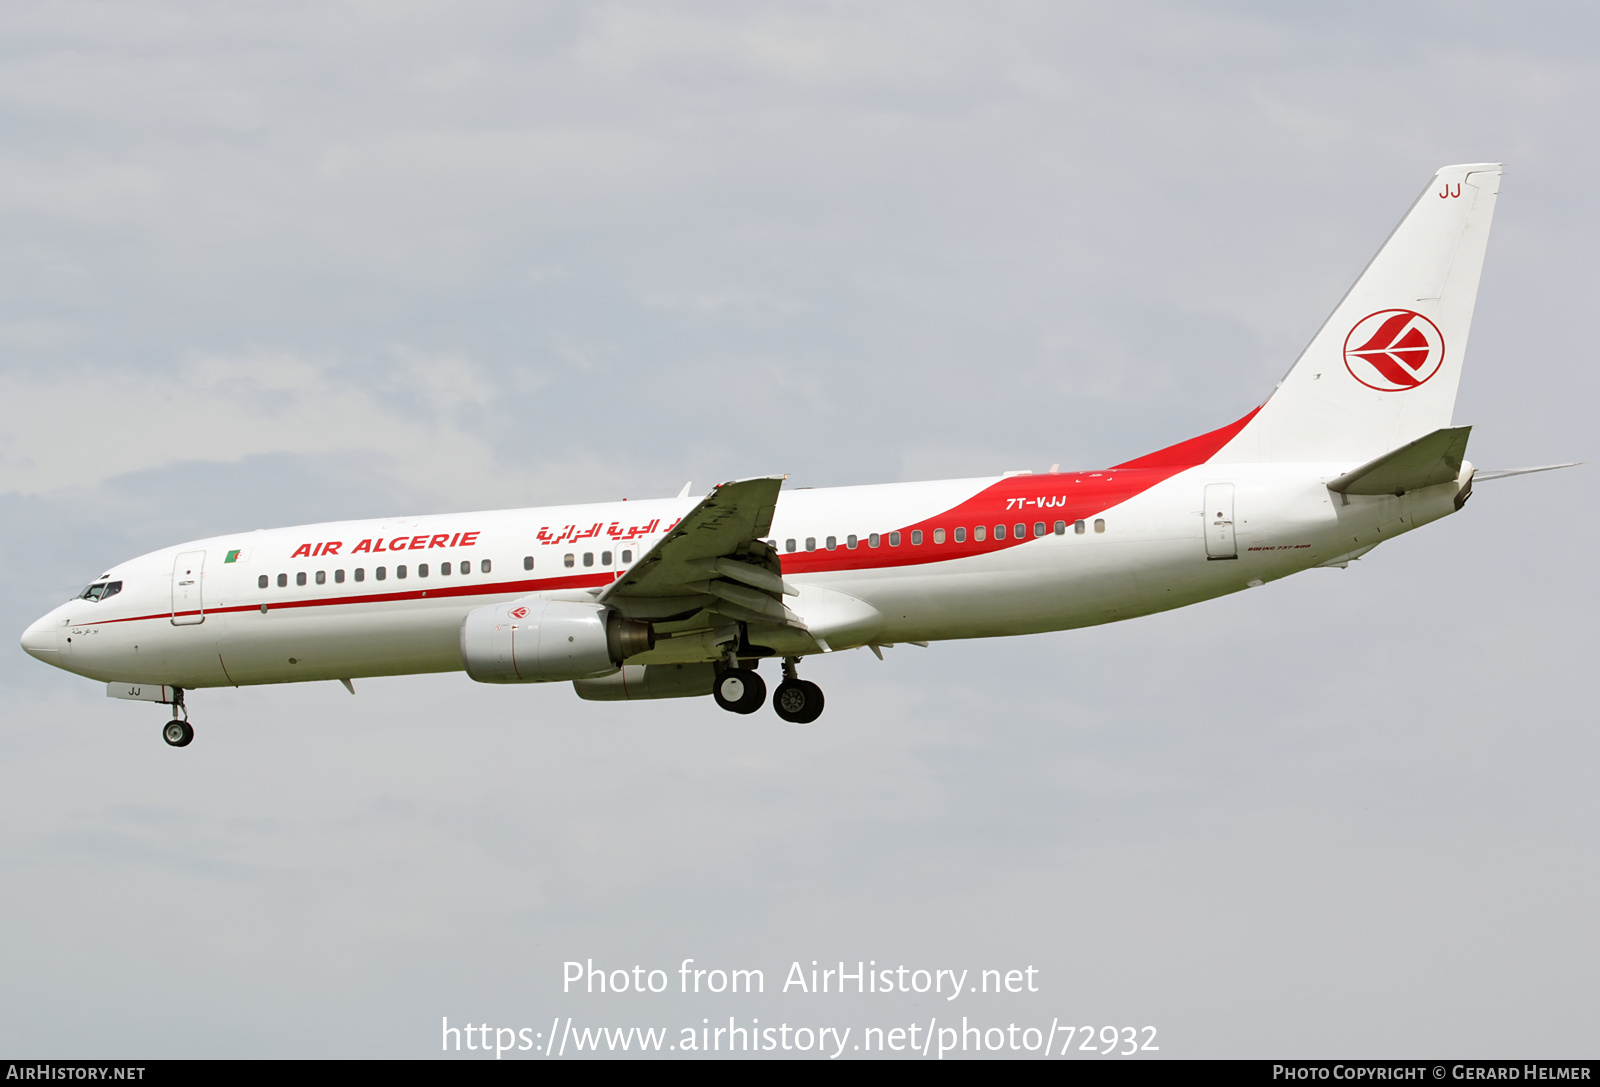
[[1195, 451], [1023, 500], [574, 581]]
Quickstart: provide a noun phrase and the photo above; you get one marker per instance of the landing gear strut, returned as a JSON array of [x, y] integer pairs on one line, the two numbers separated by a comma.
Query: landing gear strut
[[178, 732], [798, 701]]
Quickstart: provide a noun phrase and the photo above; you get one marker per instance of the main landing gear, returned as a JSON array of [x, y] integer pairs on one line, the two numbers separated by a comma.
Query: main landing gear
[[740, 690], [798, 701], [178, 732]]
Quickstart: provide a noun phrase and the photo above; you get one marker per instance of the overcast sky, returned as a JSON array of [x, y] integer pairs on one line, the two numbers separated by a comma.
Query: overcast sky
[[267, 264]]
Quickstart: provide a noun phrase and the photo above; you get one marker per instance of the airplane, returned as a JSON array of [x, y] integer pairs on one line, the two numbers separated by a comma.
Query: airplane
[[681, 597]]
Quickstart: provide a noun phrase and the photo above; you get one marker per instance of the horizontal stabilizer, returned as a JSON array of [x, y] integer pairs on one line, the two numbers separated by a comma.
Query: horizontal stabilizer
[[1502, 473], [1431, 459]]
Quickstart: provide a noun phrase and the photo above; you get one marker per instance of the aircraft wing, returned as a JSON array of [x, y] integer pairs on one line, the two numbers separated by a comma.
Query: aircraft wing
[[715, 558]]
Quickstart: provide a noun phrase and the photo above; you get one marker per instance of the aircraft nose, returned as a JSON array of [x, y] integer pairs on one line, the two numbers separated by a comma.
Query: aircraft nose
[[43, 639]]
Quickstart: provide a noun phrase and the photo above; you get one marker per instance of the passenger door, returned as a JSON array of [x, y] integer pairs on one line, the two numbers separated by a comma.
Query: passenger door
[[188, 575], [1219, 522]]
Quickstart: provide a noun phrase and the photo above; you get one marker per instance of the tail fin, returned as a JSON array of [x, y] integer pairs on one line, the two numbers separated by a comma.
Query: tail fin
[[1384, 369]]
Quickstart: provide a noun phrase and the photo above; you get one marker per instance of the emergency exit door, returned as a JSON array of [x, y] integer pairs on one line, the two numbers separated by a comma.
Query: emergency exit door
[[187, 577], [1219, 522]]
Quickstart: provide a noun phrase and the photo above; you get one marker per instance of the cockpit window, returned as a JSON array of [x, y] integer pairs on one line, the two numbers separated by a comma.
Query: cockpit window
[[101, 590]]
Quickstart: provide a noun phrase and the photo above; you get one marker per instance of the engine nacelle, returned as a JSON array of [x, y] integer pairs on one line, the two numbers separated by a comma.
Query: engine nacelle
[[540, 641]]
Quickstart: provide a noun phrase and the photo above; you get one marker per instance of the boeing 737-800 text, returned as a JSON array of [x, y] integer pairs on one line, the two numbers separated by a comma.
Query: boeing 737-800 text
[[686, 596]]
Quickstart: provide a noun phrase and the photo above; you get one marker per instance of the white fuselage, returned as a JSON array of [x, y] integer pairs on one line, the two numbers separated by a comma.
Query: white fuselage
[[286, 605]]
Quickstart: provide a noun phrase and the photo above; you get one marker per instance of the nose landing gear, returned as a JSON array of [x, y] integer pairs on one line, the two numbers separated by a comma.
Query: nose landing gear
[[798, 701], [178, 732]]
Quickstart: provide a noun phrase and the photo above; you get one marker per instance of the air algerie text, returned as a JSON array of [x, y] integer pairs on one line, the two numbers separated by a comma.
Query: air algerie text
[[399, 543]]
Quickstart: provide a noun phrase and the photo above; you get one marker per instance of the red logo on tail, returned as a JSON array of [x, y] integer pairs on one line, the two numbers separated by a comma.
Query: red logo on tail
[[1394, 350]]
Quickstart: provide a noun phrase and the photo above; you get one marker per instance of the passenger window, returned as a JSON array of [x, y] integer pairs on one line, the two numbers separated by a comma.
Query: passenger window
[[961, 535], [1019, 532], [938, 536], [627, 556], [1077, 526], [588, 558], [979, 532], [833, 542], [380, 573], [605, 558], [894, 539], [361, 573], [300, 578], [916, 537], [466, 567], [527, 562], [322, 577], [873, 539], [1099, 524], [1061, 528], [283, 581], [444, 569], [400, 571], [568, 560], [422, 569], [999, 532], [850, 542], [788, 545], [338, 577], [811, 543], [484, 566], [1038, 529], [261, 582]]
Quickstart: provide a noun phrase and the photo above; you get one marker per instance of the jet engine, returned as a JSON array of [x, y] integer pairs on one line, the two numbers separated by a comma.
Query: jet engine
[[538, 641]]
